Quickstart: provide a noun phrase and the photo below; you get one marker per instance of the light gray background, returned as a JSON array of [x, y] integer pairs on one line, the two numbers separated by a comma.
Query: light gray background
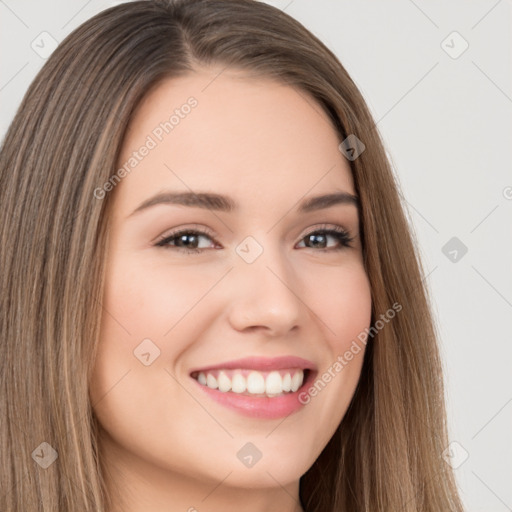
[[446, 125]]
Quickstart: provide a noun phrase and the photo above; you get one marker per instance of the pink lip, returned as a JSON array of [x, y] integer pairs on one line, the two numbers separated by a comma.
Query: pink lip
[[261, 364], [263, 407]]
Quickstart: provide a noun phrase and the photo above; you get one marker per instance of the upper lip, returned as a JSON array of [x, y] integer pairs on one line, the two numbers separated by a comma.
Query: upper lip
[[261, 364]]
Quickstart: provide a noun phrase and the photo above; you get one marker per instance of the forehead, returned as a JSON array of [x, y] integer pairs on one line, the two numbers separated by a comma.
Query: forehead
[[252, 138]]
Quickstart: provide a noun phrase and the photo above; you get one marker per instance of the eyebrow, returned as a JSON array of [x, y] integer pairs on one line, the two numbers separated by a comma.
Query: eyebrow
[[218, 202]]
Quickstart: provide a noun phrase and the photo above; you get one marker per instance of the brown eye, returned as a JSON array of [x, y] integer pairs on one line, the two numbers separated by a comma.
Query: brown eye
[[186, 240], [318, 239]]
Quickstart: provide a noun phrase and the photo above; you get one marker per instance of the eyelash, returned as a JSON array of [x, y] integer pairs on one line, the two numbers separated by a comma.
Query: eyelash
[[338, 232]]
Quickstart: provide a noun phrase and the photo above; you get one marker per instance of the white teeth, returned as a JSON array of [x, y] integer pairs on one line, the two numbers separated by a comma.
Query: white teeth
[[297, 381], [224, 382], [238, 384], [287, 382], [272, 383], [211, 381], [255, 383]]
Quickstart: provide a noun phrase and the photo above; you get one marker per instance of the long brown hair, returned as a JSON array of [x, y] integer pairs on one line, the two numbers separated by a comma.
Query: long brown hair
[[64, 142]]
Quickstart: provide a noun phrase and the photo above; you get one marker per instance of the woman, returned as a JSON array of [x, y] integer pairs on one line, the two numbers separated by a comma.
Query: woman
[[210, 295]]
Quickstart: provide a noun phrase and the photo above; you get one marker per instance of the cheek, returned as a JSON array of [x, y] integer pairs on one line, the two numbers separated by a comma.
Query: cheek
[[345, 312], [351, 317], [343, 303], [148, 300], [144, 301]]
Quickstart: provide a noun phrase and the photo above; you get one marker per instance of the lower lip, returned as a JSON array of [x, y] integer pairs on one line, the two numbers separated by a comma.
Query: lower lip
[[261, 407]]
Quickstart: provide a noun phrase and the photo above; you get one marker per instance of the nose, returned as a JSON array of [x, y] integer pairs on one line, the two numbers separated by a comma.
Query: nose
[[266, 296]]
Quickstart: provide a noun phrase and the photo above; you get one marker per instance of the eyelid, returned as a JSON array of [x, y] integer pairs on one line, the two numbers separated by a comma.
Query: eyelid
[[200, 229], [325, 227]]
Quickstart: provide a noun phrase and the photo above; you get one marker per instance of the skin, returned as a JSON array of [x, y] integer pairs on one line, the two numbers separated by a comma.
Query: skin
[[166, 445]]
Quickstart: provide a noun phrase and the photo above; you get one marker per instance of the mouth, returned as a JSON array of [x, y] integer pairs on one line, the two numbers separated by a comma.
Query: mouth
[[254, 383], [258, 387]]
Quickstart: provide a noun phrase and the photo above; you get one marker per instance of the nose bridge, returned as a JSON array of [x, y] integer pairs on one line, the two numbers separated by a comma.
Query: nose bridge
[[265, 293]]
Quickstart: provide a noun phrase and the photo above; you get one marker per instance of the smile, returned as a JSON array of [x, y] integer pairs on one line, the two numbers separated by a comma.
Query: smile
[[252, 382], [255, 393]]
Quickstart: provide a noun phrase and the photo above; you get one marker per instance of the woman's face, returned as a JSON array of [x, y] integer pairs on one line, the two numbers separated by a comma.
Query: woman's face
[[260, 282]]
